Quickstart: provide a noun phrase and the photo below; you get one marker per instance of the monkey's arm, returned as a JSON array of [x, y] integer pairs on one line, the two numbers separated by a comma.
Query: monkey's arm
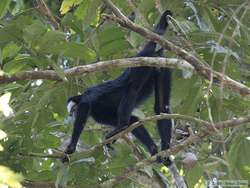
[[81, 118]]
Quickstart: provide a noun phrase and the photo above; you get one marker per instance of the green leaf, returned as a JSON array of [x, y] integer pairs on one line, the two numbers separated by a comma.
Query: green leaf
[[194, 175], [13, 30], [54, 43], [62, 176], [51, 39], [4, 5], [239, 154], [11, 87], [10, 50], [59, 70], [68, 4], [5, 36], [71, 21], [88, 11], [114, 48], [186, 26], [1, 57], [20, 62], [183, 90], [34, 31], [110, 34], [112, 42]]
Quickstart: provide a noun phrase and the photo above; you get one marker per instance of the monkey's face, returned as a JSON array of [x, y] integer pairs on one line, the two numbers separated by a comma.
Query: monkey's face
[[72, 109]]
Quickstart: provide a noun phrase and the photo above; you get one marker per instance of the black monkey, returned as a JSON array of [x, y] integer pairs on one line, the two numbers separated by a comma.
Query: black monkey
[[112, 102]]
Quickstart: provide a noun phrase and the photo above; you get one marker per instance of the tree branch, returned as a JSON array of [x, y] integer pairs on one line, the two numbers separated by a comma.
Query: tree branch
[[100, 66], [139, 123], [206, 131], [44, 10], [34, 184], [119, 135], [200, 66]]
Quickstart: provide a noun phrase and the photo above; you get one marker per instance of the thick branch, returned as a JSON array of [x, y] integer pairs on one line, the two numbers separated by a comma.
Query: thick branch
[[100, 66], [201, 67]]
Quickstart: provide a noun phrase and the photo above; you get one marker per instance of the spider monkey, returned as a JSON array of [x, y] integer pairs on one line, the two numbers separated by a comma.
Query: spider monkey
[[112, 102]]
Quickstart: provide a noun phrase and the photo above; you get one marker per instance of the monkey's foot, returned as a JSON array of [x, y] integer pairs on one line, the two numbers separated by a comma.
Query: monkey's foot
[[70, 149]]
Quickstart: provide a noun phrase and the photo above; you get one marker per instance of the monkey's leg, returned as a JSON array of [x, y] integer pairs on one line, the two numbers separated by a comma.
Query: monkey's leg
[[162, 97], [144, 137]]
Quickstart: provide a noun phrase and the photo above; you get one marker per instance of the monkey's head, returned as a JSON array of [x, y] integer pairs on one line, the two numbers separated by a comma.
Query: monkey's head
[[72, 105]]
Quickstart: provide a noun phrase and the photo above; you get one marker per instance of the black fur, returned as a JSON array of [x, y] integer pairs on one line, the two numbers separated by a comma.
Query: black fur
[[112, 102]]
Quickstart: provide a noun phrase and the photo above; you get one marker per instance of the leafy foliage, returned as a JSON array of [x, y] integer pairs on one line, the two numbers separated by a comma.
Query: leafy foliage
[[218, 31]]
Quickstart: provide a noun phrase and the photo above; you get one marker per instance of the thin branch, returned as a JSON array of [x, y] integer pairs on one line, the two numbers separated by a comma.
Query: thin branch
[[206, 131], [139, 123], [35, 184], [134, 148], [100, 66], [44, 10], [119, 135], [200, 66], [207, 127]]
